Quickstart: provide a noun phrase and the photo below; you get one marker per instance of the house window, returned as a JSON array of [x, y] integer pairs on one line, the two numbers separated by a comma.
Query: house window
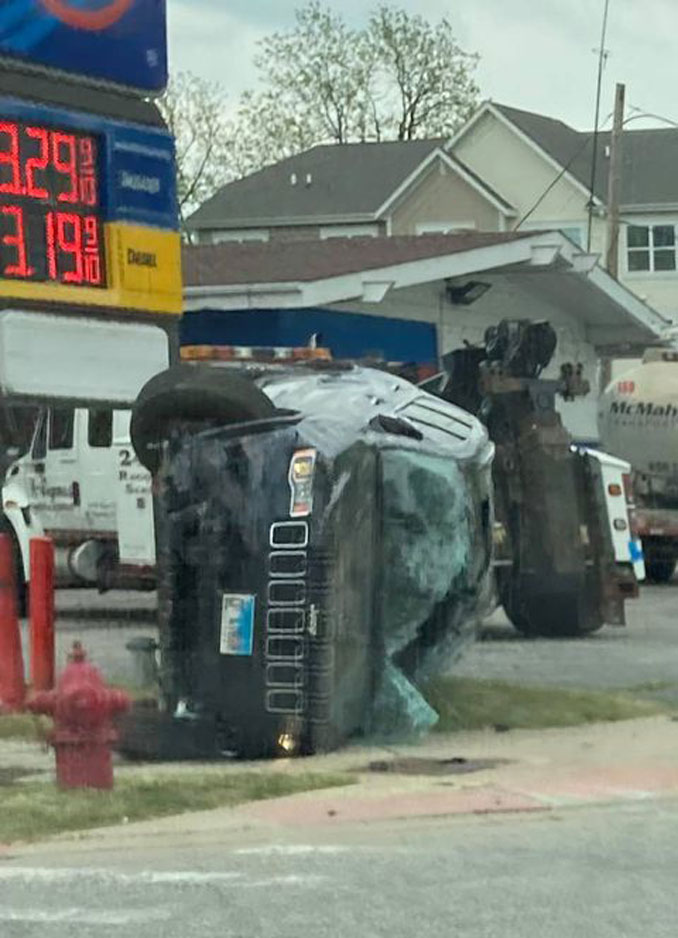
[[574, 232], [348, 231], [239, 235], [445, 227], [651, 247]]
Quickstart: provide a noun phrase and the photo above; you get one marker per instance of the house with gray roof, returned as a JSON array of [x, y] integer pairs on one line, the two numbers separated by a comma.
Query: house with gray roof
[[543, 167], [353, 190], [506, 169]]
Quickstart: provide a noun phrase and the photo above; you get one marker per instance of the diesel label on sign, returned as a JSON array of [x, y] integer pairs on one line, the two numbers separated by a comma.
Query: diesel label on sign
[[141, 258], [150, 262]]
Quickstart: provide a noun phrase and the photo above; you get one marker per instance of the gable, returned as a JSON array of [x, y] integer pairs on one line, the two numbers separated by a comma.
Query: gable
[[514, 165], [442, 196]]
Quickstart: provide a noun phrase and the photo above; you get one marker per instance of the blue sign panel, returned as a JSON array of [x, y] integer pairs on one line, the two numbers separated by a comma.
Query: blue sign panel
[[142, 182], [119, 41], [347, 335], [137, 165]]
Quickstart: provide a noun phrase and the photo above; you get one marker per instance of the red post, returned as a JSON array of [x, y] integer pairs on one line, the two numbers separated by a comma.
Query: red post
[[12, 685], [41, 605]]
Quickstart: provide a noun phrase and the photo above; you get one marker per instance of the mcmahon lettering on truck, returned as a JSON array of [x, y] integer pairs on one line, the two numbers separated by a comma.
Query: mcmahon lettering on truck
[[643, 409]]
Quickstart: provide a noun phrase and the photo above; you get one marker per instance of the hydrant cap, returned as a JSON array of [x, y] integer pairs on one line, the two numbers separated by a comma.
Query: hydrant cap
[[78, 653]]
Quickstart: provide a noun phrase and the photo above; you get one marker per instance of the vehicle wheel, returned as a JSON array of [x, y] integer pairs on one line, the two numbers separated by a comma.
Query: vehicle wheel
[[659, 571], [21, 585], [558, 615], [192, 393]]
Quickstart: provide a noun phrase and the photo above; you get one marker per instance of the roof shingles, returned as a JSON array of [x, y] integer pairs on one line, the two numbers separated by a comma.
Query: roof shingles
[[345, 181], [236, 264], [649, 157]]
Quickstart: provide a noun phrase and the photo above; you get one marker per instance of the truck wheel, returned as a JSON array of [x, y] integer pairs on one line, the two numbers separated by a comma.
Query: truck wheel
[[21, 585], [659, 571], [558, 615], [193, 393]]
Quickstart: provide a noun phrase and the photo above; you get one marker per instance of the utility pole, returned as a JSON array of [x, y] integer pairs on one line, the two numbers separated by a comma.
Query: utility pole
[[602, 58], [614, 183]]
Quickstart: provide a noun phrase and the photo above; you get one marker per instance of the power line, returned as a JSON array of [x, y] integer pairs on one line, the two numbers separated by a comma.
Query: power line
[[643, 113], [577, 153]]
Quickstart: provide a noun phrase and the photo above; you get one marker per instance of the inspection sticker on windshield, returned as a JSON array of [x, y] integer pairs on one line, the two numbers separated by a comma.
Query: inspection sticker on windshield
[[237, 624]]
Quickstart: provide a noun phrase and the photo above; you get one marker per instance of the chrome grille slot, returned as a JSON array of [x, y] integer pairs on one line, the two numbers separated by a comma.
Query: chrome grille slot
[[289, 534], [284, 648], [291, 563], [286, 618], [285, 675], [285, 701], [286, 592], [287, 621]]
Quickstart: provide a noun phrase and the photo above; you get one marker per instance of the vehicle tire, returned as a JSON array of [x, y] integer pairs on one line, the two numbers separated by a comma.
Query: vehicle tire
[[556, 615], [192, 393], [21, 585], [659, 571]]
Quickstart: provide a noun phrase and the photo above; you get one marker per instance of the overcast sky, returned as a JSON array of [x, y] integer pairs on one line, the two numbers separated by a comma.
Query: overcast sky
[[535, 54]]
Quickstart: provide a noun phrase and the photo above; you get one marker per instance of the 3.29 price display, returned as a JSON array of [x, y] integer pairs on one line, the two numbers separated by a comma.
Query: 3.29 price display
[[50, 221]]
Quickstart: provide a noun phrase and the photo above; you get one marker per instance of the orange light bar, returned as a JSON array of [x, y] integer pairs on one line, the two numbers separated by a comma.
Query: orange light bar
[[254, 353]]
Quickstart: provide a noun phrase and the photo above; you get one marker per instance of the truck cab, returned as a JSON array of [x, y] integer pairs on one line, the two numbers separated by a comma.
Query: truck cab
[[78, 481], [75, 484]]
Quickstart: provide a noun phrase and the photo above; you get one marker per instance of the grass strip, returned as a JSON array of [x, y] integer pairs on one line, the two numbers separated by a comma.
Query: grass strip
[[36, 810], [24, 726], [470, 704]]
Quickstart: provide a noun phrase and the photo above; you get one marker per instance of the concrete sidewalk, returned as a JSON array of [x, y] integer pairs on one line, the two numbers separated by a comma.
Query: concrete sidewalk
[[536, 771]]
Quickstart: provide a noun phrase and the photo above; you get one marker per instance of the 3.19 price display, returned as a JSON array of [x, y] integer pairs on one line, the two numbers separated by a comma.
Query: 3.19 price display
[[50, 221]]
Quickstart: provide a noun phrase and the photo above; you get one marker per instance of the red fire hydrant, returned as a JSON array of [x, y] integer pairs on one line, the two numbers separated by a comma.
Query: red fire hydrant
[[83, 709]]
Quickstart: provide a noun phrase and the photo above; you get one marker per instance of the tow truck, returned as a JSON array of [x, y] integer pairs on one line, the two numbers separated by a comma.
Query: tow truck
[[79, 481]]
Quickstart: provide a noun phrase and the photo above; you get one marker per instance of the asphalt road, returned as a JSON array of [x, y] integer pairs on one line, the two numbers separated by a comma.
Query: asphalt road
[[599, 872], [643, 653]]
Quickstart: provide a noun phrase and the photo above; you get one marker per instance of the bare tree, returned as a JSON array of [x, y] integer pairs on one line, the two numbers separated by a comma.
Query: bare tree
[[195, 112], [427, 78], [399, 78]]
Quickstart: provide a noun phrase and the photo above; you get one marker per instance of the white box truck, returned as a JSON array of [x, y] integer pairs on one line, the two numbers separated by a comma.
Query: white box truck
[[80, 482]]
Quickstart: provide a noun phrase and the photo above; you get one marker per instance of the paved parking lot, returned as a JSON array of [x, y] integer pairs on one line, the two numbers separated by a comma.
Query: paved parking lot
[[644, 653]]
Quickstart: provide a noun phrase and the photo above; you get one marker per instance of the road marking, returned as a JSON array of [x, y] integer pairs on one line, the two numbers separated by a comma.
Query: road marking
[[293, 879], [108, 917], [48, 876], [290, 850], [113, 877]]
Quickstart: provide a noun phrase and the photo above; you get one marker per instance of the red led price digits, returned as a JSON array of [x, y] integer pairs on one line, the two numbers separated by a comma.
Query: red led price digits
[[88, 182], [9, 156], [63, 168], [37, 162], [64, 160], [49, 197], [16, 241], [73, 243], [92, 259]]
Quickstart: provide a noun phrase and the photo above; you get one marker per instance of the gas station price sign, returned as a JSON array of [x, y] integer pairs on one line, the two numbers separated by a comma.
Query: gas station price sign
[[51, 229]]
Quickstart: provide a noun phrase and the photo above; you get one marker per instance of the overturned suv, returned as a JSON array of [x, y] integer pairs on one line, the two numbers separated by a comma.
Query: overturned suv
[[324, 536]]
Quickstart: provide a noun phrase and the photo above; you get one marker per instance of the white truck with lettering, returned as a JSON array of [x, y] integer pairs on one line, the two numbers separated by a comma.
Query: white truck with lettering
[[80, 482]]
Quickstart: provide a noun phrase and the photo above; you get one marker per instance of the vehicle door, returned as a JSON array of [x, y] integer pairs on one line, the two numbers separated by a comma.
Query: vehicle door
[[54, 472], [98, 468]]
